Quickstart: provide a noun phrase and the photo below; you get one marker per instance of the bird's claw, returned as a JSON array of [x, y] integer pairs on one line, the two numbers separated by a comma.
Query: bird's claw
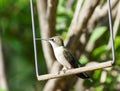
[[64, 70], [58, 72]]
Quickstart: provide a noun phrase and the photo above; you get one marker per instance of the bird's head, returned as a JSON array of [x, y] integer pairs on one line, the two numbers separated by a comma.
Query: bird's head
[[55, 41]]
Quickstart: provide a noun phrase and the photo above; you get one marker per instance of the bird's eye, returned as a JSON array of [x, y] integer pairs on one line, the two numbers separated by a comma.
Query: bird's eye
[[52, 40]]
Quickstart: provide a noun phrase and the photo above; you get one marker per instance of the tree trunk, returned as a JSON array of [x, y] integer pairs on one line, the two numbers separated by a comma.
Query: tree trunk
[[3, 82]]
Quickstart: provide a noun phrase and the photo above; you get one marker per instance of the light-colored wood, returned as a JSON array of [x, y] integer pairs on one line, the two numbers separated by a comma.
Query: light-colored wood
[[75, 71]]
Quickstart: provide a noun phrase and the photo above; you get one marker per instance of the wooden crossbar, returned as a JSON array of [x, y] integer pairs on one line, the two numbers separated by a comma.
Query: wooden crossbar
[[75, 71]]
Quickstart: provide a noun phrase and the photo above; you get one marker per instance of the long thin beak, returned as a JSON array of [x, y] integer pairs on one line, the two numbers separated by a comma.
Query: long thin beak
[[41, 39]]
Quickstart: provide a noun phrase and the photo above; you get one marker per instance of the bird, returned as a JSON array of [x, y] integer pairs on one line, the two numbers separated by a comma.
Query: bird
[[64, 56]]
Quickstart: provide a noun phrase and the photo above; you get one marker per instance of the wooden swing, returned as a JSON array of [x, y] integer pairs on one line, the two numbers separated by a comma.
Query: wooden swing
[[76, 70]]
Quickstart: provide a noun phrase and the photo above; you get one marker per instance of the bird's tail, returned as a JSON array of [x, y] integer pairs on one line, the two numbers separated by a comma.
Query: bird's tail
[[83, 75]]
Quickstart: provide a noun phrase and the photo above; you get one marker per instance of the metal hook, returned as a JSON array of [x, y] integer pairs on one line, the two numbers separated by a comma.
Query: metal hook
[[34, 37], [111, 31]]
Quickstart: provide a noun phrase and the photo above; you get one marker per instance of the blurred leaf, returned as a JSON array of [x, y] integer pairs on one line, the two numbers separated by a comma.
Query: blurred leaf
[[4, 24], [97, 74], [21, 3], [97, 33], [2, 89], [4, 3], [99, 88], [63, 17], [83, 60], [98, 51], [109, 79], [16, 45], [117, 42]]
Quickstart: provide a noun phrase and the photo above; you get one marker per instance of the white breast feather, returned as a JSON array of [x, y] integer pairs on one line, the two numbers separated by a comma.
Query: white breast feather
[[60, 57]]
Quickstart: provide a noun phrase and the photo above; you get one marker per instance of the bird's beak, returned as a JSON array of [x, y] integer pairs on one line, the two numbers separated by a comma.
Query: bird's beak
[[42, 39]]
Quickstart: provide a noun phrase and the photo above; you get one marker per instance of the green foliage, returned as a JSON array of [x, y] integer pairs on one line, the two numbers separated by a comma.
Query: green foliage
[[117, 43], [63, 17], [97, 33], [83, 60], [15, 22], [97, 74], [100, 50], [99, 88], [2, 89]]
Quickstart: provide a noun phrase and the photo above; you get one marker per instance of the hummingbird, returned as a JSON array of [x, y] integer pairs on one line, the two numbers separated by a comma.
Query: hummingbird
[[64, 56]]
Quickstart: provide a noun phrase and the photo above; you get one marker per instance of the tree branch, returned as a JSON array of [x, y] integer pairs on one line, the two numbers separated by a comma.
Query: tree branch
[[3, 82], [90, 46], [51, 15], [47, 19], [98, 15], [74, 21], [62, 84], [85, 14]]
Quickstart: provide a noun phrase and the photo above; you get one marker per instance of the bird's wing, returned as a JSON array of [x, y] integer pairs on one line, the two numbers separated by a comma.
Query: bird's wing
[[70, 58]]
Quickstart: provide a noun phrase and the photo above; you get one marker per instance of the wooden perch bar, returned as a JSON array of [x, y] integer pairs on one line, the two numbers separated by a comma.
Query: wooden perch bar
[[75, 71]]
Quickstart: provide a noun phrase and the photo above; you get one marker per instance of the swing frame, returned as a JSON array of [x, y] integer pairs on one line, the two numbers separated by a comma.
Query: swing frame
[[109, 63]]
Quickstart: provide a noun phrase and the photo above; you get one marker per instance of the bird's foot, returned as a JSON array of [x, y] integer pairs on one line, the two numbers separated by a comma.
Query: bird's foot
[[64, 69], [58, 72]]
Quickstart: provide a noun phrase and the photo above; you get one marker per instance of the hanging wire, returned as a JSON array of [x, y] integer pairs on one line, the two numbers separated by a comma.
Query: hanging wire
[[34, 38], [111, 31]]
